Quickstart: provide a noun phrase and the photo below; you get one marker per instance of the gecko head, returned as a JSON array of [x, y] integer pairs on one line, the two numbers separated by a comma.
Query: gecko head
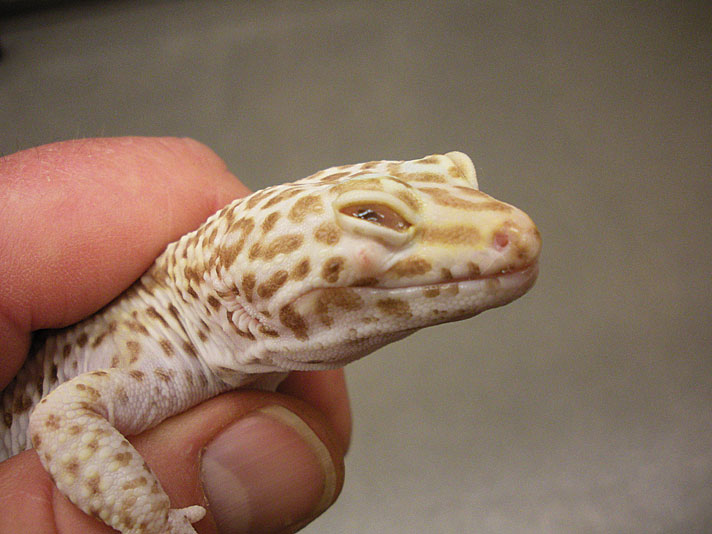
[[354, 257]]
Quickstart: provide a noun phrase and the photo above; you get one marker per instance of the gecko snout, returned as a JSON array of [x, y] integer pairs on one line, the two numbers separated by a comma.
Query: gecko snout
[[520, 241]]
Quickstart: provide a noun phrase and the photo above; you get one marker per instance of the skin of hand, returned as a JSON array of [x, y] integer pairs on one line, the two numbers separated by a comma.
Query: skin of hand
[[79, 222]]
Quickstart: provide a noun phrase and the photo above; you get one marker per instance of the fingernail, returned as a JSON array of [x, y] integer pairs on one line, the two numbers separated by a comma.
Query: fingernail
[[267, 471]]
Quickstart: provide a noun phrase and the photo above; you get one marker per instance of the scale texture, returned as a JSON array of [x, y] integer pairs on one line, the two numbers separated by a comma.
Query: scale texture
[[307, 275]]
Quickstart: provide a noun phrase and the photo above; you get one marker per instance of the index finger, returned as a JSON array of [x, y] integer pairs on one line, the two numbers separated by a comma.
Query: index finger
[[81, 220]]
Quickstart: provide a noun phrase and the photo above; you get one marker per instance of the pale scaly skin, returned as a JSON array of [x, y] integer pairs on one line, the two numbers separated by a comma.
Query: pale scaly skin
[[306, 275]]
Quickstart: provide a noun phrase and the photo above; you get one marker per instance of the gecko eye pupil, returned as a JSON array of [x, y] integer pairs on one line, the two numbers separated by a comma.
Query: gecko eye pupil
[[378, 214], [368, 214]]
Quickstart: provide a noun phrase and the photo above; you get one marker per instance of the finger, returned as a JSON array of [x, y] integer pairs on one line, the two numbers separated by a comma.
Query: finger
[[259, 462], [326, 391], [81, 220]]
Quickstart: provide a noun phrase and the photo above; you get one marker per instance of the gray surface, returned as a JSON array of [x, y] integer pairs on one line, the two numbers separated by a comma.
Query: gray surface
[[584, 407]]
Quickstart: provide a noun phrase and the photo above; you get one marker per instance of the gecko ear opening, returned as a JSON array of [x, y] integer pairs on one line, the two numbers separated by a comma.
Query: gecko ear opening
[[465, 166]]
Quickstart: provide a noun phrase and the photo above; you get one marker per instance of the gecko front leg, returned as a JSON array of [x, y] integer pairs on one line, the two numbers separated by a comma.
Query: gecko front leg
[[77, 431]]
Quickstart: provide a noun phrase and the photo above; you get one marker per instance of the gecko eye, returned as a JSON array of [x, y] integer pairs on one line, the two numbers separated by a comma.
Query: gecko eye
[[377, 214]]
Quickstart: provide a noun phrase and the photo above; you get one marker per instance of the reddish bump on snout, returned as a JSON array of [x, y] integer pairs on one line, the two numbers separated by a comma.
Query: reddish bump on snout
[[501, 240]]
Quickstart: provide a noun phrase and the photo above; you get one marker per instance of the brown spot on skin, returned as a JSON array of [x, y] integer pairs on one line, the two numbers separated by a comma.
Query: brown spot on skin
[[429, 160], [162, 374], [192, 292], [135, 483], [122, 396], [304, 206], [451, 289], [115, 360], [188, 377], [215, 303], [281, 197], [134, 349], [327, 233], [91, 392], [451, 235], [202, 336], [332, 268], [396, 307], [174, 311], [153, 314], [189, 348], [473, 270], [446, 274], [254, 199], [248, 285], [255, 251], [283, 245], [431, 177], [82, 340], [346, 299], [124, 458], [228, 254], [266, 330], [99, 373], [167, 347], [334, 177], [270, 221], [295, 322], [470, 191], [394, 168], [301, 270], [74, 430], [409, 199], [126, 504], [136, 375], [444, 198], [66, 350], [410, 266], [192, 275], [431, 292], [370, 184], [272, 285], [52, 422], [36, 440], [72, 466]]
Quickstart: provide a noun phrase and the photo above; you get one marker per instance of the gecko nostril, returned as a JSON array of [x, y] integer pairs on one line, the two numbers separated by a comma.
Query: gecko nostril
[[500, 240]]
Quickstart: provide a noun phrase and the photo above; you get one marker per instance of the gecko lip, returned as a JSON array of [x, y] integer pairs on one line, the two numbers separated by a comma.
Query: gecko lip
[[527, 273]]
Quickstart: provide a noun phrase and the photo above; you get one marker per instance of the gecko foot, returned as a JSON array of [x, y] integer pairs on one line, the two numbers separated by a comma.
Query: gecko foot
[[179, 521]]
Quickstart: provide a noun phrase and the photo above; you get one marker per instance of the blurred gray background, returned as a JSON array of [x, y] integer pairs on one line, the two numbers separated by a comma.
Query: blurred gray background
[[584, 407]]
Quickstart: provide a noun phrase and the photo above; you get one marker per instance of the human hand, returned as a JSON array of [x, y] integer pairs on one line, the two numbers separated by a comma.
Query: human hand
[[79, 222]]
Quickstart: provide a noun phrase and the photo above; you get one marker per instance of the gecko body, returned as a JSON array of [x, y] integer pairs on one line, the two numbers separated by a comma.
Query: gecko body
[[307, 275]]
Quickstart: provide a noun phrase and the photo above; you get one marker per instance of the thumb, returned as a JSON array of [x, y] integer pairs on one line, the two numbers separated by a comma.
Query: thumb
[[258, 461]]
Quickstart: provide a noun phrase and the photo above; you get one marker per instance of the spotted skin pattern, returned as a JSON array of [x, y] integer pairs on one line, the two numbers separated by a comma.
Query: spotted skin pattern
[[302, 276]]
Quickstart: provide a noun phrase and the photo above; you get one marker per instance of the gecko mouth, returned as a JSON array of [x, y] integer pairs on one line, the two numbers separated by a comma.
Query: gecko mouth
[[363, 311]]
